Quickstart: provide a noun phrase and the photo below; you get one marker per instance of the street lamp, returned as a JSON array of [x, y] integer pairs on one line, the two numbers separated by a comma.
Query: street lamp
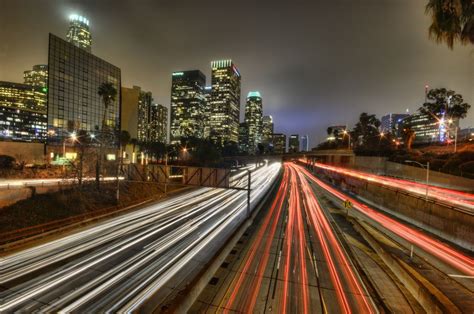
[[427, 167]]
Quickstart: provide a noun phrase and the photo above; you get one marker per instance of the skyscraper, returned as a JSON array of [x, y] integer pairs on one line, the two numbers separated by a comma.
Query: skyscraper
[[79, 34], [294, 143], [253, 118], [225, 102], [305, 143], [188, 105], [73, 101], [279, 143], [145, 101], [267, 129], [207, 111], [158, 123], [38, 76], [243, 137], [22, 112]]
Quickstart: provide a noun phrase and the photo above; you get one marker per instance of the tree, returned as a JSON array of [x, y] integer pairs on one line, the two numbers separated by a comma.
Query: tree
[[124, 139], [366, 129], [408, 136], [451, 21], [443, 101], [108, 93]]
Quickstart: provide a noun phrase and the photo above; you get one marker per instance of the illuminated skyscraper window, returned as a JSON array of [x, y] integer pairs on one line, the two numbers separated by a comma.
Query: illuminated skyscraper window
[[22, 112], [254, 120], [79, 33], [188, 105], [38, 76], [225, 102], [73, 101]]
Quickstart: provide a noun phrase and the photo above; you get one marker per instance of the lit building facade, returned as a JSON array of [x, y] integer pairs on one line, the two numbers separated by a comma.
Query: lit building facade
[[243, 137], [22, 112], [305, 143], [294, 143], [267, 129], [79, 33], [254, 120], [225, 102], [38, 76], [129, 114], [188, 105], [145, 102], [73, 101], [158, 125], [389, 122], [207, 111], [426, 128], [278, 143]]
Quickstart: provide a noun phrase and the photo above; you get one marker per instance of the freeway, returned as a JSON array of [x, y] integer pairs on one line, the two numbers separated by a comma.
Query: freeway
[[295, 262], [451, 197], [122, 263], [307, 255]]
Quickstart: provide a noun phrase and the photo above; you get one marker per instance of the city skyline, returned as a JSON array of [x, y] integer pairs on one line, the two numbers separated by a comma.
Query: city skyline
[[300, 89]]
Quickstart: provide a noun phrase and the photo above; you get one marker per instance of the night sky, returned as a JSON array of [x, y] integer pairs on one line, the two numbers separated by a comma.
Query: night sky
[[315, 63]]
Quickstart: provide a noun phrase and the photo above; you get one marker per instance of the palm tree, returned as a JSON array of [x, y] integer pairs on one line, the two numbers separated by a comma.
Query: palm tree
[[108, 93], [451, 21]]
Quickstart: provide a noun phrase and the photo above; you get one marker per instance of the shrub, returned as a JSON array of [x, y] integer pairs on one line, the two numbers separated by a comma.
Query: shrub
[[6, 162], [437, 164]]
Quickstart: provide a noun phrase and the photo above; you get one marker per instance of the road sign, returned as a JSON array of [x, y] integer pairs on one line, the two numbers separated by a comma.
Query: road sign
[[347, 204]]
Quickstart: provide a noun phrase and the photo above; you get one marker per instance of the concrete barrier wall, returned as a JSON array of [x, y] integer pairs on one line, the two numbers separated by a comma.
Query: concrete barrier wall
[[450, 224], [23, 151], [380, 165]]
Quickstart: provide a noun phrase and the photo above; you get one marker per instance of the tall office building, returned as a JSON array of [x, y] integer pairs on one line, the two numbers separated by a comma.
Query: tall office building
[[225, 102], [73, 100], [158, 123], [207, 111], [253, 118], [305, 143], [188, 105], [427, 129], [244, 137], [79, 33], [279, 143], [145, 102], [38, 76], [294, 143], [267, 129], [22, 112]]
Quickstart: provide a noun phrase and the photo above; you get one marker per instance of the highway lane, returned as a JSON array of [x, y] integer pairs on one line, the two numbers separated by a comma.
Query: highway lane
[[294, 263], [442, 251], [117, 265], [451, 197]]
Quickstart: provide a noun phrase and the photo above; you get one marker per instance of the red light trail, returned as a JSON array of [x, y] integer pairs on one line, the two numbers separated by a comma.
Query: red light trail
[[450, 196], [450, 256]]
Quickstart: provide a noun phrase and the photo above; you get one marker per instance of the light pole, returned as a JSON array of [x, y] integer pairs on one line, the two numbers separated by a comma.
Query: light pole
[[427, 167]]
